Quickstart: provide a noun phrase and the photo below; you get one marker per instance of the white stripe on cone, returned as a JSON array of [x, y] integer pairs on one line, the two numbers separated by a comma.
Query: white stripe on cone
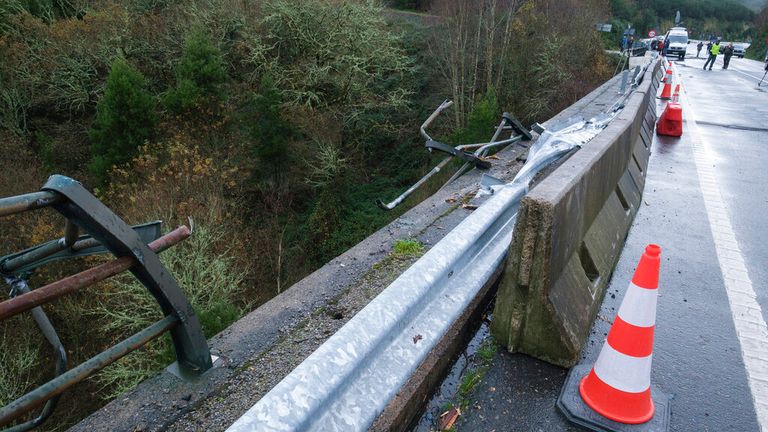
[[639, 306], [623, 372]]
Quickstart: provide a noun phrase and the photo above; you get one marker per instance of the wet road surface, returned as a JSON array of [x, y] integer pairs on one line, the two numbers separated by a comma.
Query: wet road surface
[[706, 204]]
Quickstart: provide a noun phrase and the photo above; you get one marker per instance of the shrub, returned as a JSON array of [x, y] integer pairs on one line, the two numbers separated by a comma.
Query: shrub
[[199, 74], [18, 360], [484, 116], [269, 133], [210, 283], [327, 53], [125, 119]]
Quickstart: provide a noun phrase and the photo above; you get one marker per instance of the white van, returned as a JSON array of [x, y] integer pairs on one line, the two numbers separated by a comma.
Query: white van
[[676, 42]]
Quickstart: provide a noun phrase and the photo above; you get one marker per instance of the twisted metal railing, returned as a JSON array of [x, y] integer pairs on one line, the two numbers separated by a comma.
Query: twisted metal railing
[[135, 249]]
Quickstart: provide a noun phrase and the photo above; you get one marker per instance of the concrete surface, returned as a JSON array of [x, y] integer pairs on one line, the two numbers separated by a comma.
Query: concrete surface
[[697, 353]]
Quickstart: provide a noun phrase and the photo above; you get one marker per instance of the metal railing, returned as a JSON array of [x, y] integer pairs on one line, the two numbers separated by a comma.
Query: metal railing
[[516, 130], [349, 380], [135, 249]]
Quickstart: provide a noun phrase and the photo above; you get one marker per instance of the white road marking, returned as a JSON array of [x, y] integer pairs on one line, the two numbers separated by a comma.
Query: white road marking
[[747, 315], [744, 73]]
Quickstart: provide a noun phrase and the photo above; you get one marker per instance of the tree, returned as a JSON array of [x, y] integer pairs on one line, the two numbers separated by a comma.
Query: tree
[[269, 132], [199, 74], [472, 48], [481, 121], [125, 119]]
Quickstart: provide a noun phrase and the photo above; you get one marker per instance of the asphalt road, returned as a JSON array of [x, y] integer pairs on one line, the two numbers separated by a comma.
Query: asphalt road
[[706, 204]]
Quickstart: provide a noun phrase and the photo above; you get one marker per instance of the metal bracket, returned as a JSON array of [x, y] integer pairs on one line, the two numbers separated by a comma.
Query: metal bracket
[[515, 123], [21, 264], [98, 220], [461, 154]]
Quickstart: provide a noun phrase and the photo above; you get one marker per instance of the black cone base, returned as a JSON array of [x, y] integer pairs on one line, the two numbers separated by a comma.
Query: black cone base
[[576, 411]]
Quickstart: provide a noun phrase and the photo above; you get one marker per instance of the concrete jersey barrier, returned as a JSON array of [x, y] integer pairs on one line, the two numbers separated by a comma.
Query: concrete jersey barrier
[[569, 234]]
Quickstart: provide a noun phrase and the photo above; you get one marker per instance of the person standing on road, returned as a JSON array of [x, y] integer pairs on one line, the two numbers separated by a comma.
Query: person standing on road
[[713, 52], [623, 43], [698, 48], [727, 53]]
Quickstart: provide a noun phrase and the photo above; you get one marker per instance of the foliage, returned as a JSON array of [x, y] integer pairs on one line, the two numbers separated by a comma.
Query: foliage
[[407, 247], [210, 283], [547, 76], [496, 45], [420, 5], [268, 131], [327, 167], [47, 10], [482, 120], [487, 349], [703, 18], [330, 54], [18, 359], [199, 74], [125, 119], [758, 50]]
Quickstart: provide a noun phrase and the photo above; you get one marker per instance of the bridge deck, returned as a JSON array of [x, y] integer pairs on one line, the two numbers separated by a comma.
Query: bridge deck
[[705, 203]]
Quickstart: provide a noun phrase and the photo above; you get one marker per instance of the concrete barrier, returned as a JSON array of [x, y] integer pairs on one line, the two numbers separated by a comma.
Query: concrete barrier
[[569, 234]]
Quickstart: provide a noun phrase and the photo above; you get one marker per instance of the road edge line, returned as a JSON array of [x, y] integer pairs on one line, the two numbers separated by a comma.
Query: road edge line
[[746, 312]]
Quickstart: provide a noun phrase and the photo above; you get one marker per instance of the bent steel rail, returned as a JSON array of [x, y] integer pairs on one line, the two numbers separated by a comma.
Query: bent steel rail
[[349, 380], [135, 250]]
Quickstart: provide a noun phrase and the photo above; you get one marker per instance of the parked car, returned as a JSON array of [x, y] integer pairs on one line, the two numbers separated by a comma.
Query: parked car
[[738, 49]]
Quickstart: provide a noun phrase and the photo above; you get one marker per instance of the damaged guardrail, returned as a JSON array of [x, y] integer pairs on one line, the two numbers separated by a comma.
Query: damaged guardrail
[[135, 250], [349, 380], [508, 123]]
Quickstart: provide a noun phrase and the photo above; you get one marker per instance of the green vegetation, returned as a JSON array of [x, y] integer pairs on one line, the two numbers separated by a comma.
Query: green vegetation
[[17, 365], [759, 50], [125, 119], [199, 74], [475, 373], [408, 248], [279, 124], [704, 19], [207, 278], [487, 349]]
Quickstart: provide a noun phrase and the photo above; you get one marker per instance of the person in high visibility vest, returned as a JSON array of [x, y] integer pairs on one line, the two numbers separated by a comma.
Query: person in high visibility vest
[[713, 52]]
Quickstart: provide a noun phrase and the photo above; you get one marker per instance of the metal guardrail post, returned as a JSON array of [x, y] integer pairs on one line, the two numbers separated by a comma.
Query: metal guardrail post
[[98, 220], [135, 249]]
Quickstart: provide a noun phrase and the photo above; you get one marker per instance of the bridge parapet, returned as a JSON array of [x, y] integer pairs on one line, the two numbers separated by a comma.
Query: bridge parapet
[[569, 234]]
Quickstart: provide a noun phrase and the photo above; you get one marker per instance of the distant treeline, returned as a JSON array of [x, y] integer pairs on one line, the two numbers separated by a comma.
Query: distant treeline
[[757, 50], [703, 18]]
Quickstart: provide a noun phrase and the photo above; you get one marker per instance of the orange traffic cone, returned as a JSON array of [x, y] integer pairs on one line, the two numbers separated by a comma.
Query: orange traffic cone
[[676, 95], [619, 385], [615, 394], [666, 92], [671, 121]]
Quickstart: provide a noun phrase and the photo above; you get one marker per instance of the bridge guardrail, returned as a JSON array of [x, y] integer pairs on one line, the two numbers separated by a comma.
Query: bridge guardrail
[[135, 250], [349, 380]]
